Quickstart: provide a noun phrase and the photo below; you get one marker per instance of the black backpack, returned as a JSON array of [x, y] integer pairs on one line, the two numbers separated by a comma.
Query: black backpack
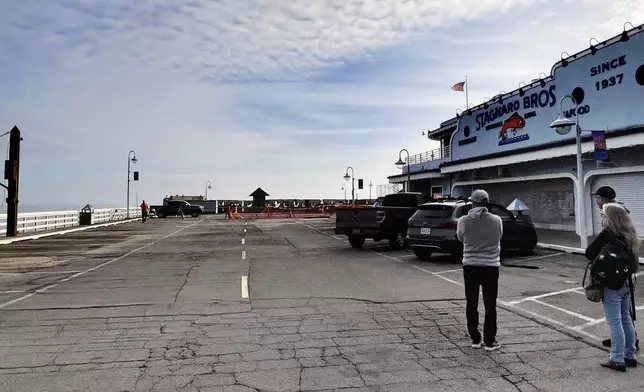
[[614, 265]]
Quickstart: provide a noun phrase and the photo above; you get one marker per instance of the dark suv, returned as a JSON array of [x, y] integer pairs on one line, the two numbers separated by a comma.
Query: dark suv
[[433, 228]]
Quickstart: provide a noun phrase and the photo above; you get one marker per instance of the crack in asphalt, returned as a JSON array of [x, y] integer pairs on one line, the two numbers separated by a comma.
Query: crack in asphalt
[[185, 281]]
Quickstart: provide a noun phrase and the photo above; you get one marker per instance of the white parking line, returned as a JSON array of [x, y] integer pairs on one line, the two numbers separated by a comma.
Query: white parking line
[[504, 303], [39, 272], [12, 291], [598, 321], [545, 295], [566, 311], [448, 271], [43, 289], [244, 286], [538, 257]]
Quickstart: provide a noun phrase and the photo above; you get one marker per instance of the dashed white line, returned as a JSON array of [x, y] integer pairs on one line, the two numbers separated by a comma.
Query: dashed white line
[[243, 255], [12, 291], [244, 286], [43, 289], [243, 241]]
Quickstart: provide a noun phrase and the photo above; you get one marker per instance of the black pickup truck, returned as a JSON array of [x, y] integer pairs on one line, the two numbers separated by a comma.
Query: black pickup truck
[[387, 221], [171, 208]]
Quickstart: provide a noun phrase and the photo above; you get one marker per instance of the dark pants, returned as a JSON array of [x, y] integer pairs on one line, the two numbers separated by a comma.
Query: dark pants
[[488, 279], [144, 215]]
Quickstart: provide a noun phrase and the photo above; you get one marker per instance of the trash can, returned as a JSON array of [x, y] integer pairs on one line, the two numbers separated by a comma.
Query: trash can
[[86, 216]]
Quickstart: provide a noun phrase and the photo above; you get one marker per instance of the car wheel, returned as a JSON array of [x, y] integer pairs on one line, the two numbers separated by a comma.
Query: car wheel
[[398, 241], [528, 244], [422, 254], [356, 241]]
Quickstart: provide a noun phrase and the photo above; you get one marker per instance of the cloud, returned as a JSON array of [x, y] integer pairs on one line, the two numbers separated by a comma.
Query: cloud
[[259, 92]]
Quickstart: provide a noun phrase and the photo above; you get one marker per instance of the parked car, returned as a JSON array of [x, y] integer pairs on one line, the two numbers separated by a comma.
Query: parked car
[[171, 208], [432, 229], [385, 222]]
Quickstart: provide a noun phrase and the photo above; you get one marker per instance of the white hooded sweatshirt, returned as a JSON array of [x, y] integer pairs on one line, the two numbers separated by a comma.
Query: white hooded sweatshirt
[[480, 232]]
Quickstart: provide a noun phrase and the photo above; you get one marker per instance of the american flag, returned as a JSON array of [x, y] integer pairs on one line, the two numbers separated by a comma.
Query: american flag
[[458, 86]]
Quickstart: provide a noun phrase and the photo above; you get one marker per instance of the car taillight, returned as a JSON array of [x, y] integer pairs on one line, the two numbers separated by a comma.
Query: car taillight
[[381, 216], [448, 225]]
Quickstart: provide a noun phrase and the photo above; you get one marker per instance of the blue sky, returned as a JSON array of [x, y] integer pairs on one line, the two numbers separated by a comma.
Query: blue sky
[[272, 93]]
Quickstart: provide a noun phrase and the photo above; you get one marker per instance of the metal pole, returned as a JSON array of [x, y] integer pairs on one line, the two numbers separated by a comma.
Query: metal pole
[[12, 183], [581, 192], [353, 189], [370, 186], [127, 208], [129, 159]]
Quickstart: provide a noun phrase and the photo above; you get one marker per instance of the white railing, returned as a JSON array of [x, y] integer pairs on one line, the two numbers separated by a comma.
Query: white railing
[[428, 156], [32, 222]]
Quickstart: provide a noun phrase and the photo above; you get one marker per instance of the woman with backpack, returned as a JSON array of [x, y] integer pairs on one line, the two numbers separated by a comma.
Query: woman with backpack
[[614, 252]]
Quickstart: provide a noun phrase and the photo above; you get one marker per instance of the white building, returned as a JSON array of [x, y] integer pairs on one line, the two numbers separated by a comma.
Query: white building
[[507, 146]]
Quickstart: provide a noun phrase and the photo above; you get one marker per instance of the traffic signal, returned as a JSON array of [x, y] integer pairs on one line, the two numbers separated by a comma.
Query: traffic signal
[[360, 183], [136, 176]]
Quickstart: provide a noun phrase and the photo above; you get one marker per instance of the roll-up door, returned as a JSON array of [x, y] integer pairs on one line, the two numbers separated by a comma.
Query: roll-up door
[[628, 187]]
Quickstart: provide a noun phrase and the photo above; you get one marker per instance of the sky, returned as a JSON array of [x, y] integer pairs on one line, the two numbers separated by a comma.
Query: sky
[[244, 93]]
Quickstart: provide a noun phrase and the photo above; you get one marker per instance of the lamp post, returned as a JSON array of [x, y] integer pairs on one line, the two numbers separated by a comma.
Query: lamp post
[[563, 124], [348, 177], [400, 164], [208, 186], [345, 192], [131, 158], [370, 186]]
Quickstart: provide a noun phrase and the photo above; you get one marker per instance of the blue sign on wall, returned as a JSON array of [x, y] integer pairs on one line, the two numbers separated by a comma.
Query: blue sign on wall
[[608, 87]]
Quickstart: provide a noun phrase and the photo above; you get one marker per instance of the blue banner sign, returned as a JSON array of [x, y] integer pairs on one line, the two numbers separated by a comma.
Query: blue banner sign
[[608, 87]]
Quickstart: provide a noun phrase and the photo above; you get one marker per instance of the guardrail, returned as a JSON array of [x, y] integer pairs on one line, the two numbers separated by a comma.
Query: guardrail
[[31, 222]]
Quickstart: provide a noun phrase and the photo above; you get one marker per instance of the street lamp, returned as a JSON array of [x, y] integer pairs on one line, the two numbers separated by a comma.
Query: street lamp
[[348, 177], [563, 125], [370, 186], [208, 186], [131, 158], [400, 164]]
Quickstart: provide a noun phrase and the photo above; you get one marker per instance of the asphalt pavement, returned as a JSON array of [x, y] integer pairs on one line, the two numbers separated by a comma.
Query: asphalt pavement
[[282, 305]]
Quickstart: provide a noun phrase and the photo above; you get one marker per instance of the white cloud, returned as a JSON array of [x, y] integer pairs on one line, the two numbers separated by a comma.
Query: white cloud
[[260, 92]]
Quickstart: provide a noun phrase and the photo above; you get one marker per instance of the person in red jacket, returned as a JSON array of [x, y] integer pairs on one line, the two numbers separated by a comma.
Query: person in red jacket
[[145, 209]]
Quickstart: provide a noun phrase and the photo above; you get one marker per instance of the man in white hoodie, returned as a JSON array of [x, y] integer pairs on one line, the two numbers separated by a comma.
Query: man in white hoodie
[[481, 232]]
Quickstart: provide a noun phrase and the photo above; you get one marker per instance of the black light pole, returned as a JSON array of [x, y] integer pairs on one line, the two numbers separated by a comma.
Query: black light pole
[[11, 173], [348, 177], [131, 157], [401, 164]]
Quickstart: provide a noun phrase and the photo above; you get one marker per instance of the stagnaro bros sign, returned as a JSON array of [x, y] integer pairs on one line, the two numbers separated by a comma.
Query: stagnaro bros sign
[[608, 87]]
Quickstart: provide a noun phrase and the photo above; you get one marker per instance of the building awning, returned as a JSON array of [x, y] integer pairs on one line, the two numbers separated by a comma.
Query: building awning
[[615, 142], [414, 177]]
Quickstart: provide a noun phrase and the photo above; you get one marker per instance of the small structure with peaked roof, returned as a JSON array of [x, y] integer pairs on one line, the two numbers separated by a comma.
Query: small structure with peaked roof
[[259, 197]]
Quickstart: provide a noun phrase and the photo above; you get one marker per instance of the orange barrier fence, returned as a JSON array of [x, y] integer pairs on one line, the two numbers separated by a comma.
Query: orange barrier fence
[[278, 213]]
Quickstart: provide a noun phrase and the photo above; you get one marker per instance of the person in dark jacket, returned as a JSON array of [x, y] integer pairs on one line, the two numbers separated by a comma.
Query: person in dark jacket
[[604, 195], [617, 224]]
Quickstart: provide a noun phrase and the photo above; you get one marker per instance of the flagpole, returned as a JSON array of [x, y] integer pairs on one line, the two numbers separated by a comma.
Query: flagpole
[[467, 98]]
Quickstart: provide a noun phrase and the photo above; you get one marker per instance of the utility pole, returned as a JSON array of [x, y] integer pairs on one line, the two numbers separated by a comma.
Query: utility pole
[[11, 173], [370, 186]]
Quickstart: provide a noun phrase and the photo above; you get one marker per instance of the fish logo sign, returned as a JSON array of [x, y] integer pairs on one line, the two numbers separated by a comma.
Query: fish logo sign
[[514, 125]]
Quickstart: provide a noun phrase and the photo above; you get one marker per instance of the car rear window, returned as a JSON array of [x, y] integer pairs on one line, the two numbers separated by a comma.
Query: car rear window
[[400, 200], [434, 211]]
